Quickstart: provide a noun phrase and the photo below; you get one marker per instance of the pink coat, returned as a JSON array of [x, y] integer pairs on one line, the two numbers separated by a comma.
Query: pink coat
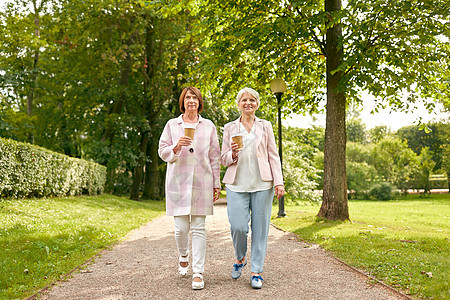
[[268, 158], [191, 176]]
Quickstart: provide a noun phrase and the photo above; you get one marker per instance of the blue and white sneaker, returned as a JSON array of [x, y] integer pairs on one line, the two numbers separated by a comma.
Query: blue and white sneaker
[[256, 281], [237, 270]]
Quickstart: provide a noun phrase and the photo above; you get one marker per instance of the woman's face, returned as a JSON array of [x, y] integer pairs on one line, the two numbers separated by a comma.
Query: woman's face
[[248, 104], [191, 102]]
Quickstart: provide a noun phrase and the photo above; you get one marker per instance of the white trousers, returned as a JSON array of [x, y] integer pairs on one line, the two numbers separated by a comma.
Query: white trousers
[[196, 224]]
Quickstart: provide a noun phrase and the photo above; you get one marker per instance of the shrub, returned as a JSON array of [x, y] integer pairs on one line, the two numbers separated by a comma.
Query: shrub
[[31, 171], [319, 165], [422, 177], [382, 191], [299, 174], [360, 178], [395, 162]]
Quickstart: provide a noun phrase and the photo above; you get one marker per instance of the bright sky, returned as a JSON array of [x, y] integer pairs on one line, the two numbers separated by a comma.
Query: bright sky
[[394, 120]]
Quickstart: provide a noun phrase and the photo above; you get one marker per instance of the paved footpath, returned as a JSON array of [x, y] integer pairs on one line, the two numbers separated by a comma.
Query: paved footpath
[[144, 266]]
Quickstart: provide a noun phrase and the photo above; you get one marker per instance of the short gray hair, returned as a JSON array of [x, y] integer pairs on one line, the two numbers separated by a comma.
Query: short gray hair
[[249, 91]]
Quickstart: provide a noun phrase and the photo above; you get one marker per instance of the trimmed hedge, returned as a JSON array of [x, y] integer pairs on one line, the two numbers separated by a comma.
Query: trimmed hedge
[[30, 171]]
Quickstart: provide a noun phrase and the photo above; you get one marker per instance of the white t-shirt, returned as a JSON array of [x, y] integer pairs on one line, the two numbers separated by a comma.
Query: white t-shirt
[[248, 178]]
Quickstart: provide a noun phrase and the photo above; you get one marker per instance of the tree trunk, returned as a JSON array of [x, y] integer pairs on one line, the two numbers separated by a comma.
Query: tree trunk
[[334, 205], [117, 106], [116, 109], [139, 169], [153, 55], [30, 96], [34, 72], [151, 187]]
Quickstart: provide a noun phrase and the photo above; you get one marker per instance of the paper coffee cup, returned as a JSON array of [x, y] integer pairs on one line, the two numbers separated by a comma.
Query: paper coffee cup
[[238, 139], [189, 131]]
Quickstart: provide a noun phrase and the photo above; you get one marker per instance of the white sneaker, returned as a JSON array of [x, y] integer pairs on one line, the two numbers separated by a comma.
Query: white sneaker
[[183, 270], [256, 281], [197, 285]]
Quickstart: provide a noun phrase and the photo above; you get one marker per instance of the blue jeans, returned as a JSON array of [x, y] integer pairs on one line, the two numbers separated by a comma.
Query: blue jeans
[[257, 207]]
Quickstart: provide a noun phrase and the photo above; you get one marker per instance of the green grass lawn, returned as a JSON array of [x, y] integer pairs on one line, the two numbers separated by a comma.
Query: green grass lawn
[[404, 243], [42, 239]]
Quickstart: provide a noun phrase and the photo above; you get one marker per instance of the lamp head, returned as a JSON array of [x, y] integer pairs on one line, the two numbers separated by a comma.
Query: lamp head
[[278, 86]]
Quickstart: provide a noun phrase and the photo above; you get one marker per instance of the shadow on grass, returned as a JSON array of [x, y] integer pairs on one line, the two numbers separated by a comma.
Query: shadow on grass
[[319, 224], [110, 201], [41, 241]]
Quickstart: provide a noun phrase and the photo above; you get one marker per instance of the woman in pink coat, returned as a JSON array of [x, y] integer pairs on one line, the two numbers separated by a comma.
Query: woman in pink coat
[[252, 177], [192, 179]]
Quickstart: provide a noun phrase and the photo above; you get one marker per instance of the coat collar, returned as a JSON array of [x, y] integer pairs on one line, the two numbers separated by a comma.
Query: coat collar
[[238, 120], [180, 119]]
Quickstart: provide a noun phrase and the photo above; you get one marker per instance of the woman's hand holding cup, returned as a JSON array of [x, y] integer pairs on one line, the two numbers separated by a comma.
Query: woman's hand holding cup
[[234, 149], [184, 141]]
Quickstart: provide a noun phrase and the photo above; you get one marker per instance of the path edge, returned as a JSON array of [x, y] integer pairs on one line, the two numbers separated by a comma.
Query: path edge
[[87, 262], [356, 270]]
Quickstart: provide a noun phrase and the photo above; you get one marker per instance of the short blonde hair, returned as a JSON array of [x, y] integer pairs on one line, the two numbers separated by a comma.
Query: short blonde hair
[[249, 91]]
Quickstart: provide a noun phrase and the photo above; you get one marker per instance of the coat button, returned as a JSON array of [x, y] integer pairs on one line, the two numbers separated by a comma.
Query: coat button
[[191, 150]]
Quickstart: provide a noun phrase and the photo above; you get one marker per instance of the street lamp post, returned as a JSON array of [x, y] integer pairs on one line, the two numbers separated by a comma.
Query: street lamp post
[[278, 87]]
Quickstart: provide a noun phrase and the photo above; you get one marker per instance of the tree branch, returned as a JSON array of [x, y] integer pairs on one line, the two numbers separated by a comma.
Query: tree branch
[[369, 43], [316, 39]]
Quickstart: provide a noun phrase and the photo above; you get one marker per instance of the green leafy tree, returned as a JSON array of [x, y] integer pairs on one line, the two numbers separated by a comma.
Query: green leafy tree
[[300, 149], [318, 163], [431, 135], [360, 178], [395, 162], [309, 139], [426, 165], [361, 175], [378, 133], [359, 153], [108, 77], [446, 160], [356, 131], [25, 32], [299, 173], [384, 47]]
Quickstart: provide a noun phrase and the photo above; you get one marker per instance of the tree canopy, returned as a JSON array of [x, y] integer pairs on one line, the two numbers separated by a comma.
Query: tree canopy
[[99, 79], [388, 48], [94, 79]]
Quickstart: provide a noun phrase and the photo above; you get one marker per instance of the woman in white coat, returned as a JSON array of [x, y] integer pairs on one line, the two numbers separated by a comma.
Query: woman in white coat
[[192, 179]]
